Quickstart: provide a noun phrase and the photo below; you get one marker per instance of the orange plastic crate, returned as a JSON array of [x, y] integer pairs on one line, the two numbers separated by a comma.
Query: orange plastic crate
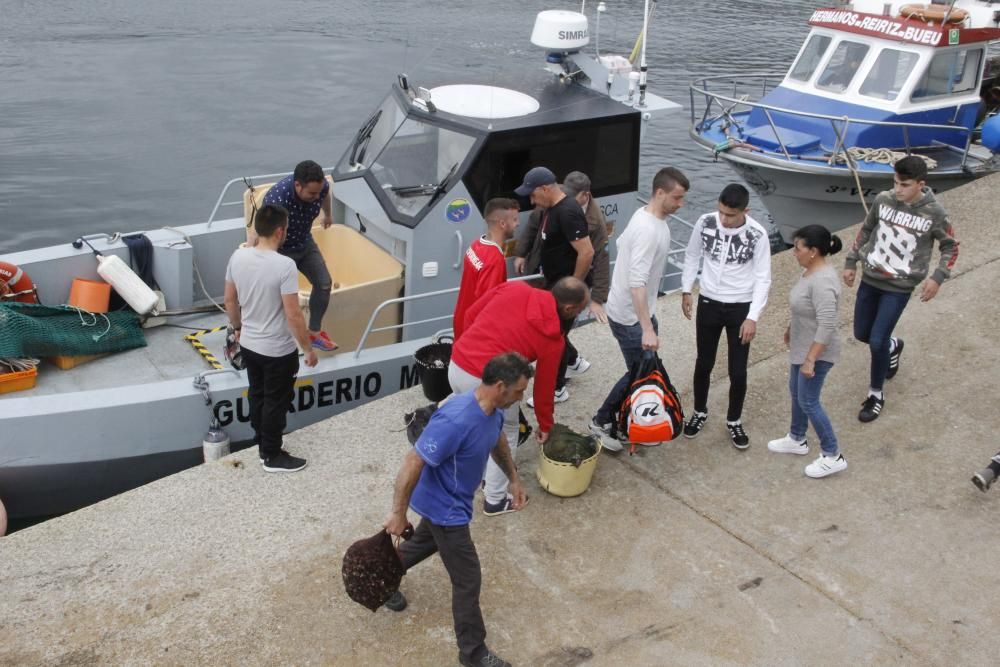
[[66, 362], [10, 382]]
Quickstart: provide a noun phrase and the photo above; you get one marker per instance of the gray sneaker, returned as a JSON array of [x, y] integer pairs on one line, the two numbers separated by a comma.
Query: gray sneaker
[[984, 479], [603, 431], [489, 659]]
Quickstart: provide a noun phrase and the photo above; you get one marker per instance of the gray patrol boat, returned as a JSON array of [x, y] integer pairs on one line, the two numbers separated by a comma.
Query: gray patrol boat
[[408, 196]]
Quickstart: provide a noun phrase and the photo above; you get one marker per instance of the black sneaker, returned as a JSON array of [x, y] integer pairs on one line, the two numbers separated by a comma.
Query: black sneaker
[[739, 435], [283, 462], [396, 603], [523, 428], [695, 424], [870, 409], [489, 659], [984, 479], [503, 507], [894, 360]]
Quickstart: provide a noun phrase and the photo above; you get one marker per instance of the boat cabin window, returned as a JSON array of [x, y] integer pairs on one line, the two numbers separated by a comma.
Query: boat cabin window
[[607, 150], [891, 70], [809, 59], [843, 65], [416, 161], [950, 72]]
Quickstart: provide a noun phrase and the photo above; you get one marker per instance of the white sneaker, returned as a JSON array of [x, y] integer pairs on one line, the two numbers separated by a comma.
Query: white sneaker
[[609, 443], [825, 465], [789, 445], [579, 368], [561, 396]]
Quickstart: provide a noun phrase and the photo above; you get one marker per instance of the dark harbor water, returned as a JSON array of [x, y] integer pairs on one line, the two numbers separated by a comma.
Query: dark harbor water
[[129, 115]]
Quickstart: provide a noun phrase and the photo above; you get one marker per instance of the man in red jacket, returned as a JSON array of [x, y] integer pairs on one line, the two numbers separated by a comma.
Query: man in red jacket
[[515, 317]]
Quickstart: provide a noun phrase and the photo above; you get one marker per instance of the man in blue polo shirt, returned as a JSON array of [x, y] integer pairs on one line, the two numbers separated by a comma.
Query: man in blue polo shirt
[[438, 480], [305, 195]]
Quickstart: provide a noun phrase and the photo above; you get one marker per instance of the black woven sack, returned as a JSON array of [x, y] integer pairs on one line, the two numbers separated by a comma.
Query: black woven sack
[[372, 569], [417, 420]]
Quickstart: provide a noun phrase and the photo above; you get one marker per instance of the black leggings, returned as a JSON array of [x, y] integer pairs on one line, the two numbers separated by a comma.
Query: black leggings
[[712, 317]]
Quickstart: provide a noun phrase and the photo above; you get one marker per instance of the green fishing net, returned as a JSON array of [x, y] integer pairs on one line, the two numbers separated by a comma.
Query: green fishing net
[[32, 330]]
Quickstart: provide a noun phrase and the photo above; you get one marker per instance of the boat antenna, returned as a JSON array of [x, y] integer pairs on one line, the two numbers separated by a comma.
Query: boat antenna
[[642, 58], [947, 14], [634, 55]]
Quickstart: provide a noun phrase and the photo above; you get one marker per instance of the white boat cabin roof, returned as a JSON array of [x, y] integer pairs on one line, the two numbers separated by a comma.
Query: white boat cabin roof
[[867, 53]]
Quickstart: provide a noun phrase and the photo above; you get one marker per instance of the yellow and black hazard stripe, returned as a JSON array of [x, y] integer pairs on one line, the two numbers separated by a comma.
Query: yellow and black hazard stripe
[[195, 340]]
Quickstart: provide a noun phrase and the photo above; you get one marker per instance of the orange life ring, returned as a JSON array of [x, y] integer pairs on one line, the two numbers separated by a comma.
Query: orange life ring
[[933, 13], [14, 281]]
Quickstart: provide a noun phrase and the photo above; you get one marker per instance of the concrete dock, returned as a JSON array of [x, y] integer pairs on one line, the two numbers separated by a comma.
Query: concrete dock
[[692, 553]]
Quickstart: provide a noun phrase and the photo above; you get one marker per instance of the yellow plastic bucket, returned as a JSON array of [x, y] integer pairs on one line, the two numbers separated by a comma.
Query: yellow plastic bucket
[[565, 479]]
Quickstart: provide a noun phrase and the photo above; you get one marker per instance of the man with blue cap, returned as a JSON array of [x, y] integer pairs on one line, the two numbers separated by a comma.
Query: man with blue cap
[[566, 251]]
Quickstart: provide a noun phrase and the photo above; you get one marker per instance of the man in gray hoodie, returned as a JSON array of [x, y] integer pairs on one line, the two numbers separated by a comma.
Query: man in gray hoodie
[[894, 246]]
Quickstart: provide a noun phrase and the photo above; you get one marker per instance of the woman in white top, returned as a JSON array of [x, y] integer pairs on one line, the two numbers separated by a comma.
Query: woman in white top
[[813, 348]]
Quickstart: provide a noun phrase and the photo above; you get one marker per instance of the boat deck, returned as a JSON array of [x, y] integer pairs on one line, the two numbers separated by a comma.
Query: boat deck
[[167, 356], [948, 159]]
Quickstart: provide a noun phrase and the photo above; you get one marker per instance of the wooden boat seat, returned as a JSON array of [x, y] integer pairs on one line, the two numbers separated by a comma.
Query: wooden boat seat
[[257, 199]]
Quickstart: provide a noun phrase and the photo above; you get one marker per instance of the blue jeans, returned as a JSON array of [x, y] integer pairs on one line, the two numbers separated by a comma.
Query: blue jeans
[[876, 312], [806, 407], [629, 339]]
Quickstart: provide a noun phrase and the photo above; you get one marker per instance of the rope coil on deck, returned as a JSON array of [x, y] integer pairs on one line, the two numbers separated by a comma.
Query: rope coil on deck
[[195, 340], [880, 156]]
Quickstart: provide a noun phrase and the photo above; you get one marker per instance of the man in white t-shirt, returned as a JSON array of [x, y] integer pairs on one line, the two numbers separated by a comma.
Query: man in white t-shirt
[[635, 282], [262, 301]]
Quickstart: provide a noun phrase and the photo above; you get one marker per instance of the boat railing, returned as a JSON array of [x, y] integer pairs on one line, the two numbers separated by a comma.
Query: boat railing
[[408, 299], [221, 202], [676, 249], [719, 106]]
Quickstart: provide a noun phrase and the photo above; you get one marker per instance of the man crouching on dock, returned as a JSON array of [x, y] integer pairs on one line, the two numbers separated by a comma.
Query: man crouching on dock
[[439, 478]]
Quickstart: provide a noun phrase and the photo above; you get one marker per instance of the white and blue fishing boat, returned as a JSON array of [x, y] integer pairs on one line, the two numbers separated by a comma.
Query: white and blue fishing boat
[[874, 80], [408, 196]]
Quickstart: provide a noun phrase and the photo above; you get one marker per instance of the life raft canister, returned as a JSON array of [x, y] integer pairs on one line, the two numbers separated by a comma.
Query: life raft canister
[[934, 13], [16, 285]]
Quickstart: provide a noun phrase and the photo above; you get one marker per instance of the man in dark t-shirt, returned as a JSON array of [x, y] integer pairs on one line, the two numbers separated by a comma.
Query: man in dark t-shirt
[[306, 196], [566, 251]]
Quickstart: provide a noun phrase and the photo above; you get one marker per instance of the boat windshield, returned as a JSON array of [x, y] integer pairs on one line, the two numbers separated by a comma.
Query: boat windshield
[[950, 72], [417, 163], [810, 57], [891, 70], [373, 135], [843, 65]]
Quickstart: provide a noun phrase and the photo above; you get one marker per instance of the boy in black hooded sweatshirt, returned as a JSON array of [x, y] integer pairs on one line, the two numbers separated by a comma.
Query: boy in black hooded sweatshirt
[[894, 247]]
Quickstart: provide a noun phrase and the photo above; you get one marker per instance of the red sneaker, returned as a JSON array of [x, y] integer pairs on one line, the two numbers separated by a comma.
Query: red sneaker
[[322, 342]]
